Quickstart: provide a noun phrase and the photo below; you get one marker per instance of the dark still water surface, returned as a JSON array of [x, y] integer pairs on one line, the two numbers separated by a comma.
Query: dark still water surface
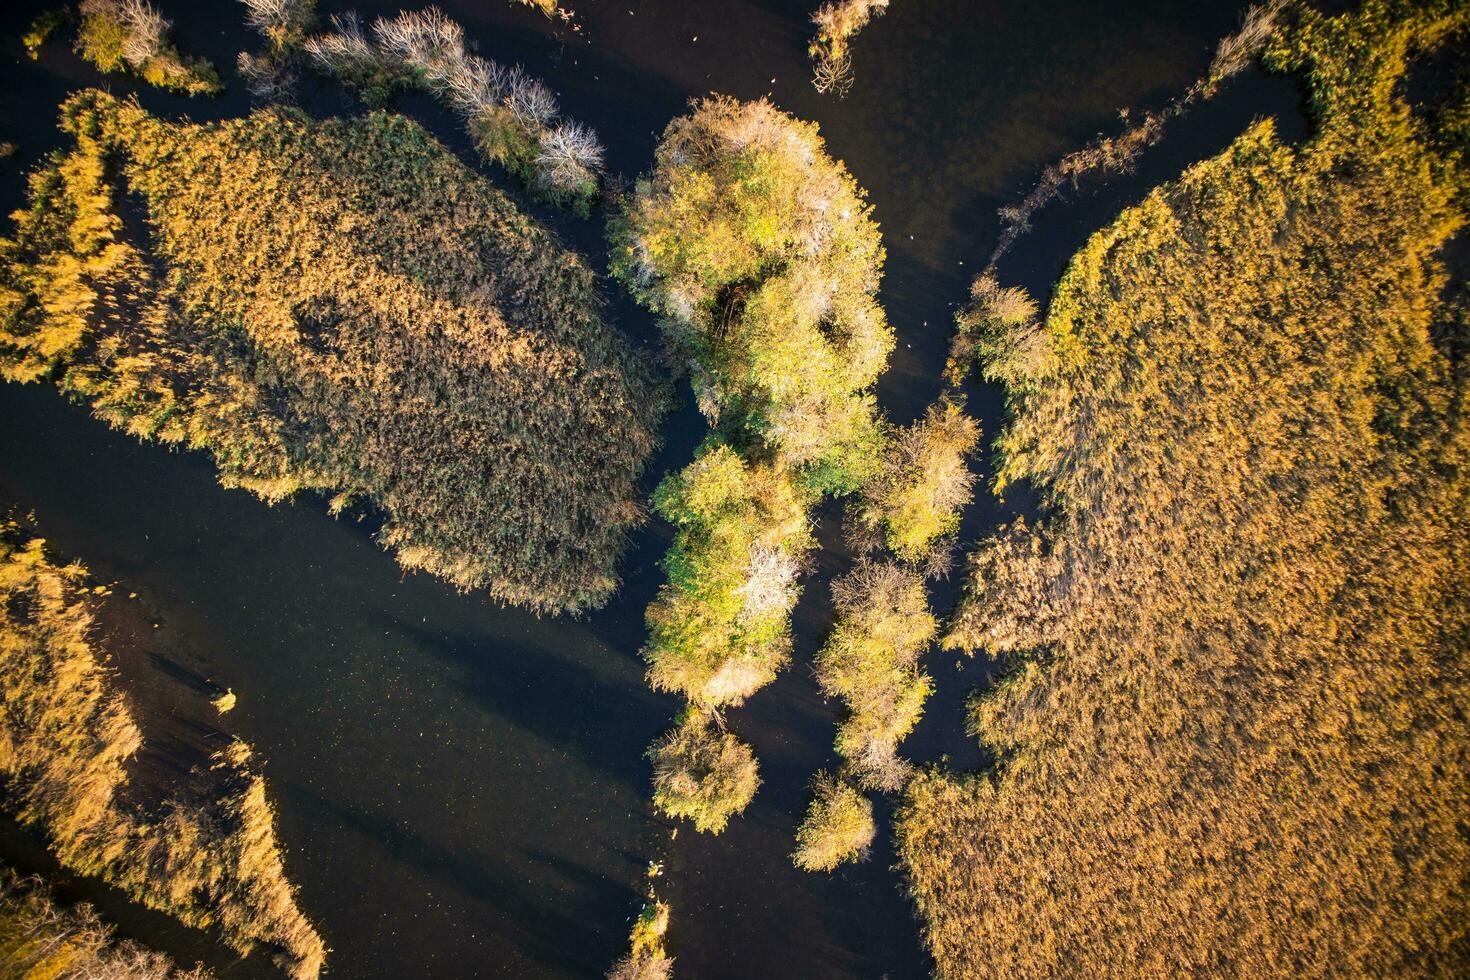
[[461, 788]]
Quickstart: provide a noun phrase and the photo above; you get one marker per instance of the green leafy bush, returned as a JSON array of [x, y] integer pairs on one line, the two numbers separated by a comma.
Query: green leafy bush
[[763, 258], [720, 627]]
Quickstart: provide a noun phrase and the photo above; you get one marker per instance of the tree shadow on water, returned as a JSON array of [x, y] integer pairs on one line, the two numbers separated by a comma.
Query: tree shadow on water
[[600, 712], [549, 910]]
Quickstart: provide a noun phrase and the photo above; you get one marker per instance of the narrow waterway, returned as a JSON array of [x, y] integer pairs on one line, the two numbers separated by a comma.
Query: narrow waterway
[[461, 787]]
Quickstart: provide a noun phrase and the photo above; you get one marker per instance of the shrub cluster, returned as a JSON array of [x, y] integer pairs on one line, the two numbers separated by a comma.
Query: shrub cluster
[[41, 939], [871, 662], [1232, 740], [838, 827], [703, 774], [132, 36], [908, 513], [208, 855], [512, 118], [346, 308], [760, 255]]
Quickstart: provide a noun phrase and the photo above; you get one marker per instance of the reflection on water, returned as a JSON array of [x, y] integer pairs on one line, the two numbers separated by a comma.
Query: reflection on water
[[461, 787]]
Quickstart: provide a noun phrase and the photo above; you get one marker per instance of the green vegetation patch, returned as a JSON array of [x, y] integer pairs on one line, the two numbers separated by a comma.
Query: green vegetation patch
[[207, 855], [341, 306], [1233, 741]]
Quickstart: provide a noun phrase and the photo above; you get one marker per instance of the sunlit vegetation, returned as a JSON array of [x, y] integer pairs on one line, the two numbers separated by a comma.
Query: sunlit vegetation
[[513, 119], [837, 23], [996, 311], [345, 308], [761, 257], [1232, 738], [551, 8], [1118, 154], [47, 23], [132, 36], [284, 26], [702, 774], [902, 523], [646, 959], [41, 940], [720, 629], [915, 498], [207, 855], [838, 826], [870, 662]]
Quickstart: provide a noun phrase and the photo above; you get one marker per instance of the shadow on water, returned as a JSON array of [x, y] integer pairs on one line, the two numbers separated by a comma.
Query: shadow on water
[[461, 788]]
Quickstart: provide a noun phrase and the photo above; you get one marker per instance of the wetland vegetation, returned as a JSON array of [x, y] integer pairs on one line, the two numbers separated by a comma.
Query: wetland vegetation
[[758, 253], [41, 939], [205, 851], [340, 306], [1231, 735], [1222, 730]]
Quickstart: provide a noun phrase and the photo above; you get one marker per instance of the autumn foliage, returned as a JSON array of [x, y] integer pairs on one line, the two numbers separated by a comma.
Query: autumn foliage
[[207, 855], [1232, 735], [340, 306]]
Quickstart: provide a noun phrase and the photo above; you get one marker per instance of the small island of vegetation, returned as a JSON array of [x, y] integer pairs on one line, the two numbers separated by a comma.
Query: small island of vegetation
[[760, 255], [340, 306]]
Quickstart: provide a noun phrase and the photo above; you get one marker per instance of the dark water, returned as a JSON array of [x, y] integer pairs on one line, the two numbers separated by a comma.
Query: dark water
[[461, 787]]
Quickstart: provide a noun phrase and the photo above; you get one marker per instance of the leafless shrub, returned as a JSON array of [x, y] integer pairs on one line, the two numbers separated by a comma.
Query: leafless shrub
[[425, 39], [146, 32], [569, 157], [265, 76], [530, 100], [836, 24], [474, 87], [347, 51], [770, 583], [280, 20]]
